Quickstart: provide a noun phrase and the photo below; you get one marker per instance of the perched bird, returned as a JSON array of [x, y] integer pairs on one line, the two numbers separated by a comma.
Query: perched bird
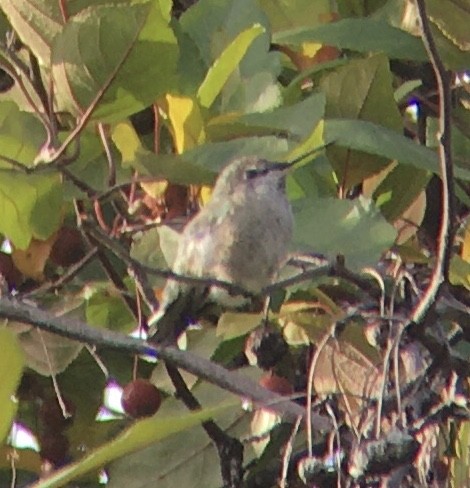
[[241, 237]]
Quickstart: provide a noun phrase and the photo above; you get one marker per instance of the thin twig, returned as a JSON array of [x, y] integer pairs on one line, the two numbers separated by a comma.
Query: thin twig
[[38, 85], [66, 277], [444, 243], [60, 399], [311, 372], [80, 184], [115, 278], [9, 67], [109, 155], [84, 119], [288, 453]]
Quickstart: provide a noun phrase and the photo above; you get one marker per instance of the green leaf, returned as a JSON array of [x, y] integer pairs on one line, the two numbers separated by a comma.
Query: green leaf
[[403, 184], [452, 19], [187, 458], [360, 90], [355, 229], [127, 52], [363, 35], [60, 351], [225, 64], [233, 324], [459, 273], [37, 22], [201, 164], [294, 124], [13, 127], [375, 139], [253, 86], [405, 89], [138, 436], [295, 13], [30, 206], [295, 121], [157, 248], [107, 309], [11, 367]]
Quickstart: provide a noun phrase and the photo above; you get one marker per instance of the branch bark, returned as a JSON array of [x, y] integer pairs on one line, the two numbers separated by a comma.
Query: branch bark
[[232, 381]]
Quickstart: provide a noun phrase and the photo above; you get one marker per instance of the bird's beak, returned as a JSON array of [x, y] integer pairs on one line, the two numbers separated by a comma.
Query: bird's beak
[[286, 166], [301, 158], [277, 166]]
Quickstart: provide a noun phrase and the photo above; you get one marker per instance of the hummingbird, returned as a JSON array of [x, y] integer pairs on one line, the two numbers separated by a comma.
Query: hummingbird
[[240, 237]]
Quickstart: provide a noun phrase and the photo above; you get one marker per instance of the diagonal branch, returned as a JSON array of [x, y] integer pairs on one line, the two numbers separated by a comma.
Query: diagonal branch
[[232, 381]]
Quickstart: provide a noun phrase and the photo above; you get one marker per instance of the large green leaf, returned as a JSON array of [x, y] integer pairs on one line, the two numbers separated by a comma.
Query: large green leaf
[[295, 124], [363, 90], [295, 121], [452, 19], [201, 164], [375, 139], [105, 308], [30, 206], [138, 436], [13, 127], [253, 86], [399, 190], [363, 35], [355, 229], [295, 13], [225, 64], [11, 366], [37, 22], [187, 458], [127, 51]]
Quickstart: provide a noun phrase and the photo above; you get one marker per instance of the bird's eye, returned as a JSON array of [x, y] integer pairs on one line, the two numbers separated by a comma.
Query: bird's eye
[[255, 172]]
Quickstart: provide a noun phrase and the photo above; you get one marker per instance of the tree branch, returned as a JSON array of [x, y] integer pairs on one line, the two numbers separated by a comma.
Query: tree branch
[[232, 381]]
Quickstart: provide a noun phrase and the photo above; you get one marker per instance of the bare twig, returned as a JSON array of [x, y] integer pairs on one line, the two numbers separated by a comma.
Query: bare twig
[[441, 266], [66, 277], [288, 453], [109, 155], [85, 117], [38, 85], [115, 277], [9, 67], [80, 184], [311, 372]]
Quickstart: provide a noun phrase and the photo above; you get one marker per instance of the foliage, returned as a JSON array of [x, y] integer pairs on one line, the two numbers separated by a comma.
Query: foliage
[[117, 115]]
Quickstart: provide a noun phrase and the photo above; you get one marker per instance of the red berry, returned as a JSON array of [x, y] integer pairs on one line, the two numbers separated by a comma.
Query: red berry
[[140, 398]]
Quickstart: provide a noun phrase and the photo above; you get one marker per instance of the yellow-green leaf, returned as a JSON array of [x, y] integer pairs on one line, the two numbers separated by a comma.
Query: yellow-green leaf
[[11, 366], [226, 63]]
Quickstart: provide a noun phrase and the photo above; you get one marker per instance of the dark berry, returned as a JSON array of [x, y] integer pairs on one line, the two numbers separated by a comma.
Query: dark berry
[[140, 398], [68, 247]]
